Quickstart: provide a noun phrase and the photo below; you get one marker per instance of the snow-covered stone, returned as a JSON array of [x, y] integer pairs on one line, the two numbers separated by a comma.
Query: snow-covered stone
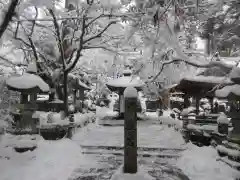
[[222, 119], [130, 92], [209, 79], [125, 81], [140, 175]]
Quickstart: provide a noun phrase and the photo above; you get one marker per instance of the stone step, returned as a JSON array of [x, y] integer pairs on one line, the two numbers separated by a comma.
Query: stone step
[[139, 148], [165, 154]]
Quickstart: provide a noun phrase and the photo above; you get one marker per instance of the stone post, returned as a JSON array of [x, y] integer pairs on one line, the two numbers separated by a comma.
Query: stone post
[[130, 130], [185, 120]]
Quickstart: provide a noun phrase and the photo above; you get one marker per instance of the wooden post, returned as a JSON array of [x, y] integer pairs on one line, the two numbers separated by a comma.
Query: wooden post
[[130, 130]]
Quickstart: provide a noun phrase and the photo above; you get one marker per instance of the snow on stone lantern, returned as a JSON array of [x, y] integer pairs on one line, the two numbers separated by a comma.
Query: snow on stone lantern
[[232, 93], [28, 84], [78, 88], [120, 84]]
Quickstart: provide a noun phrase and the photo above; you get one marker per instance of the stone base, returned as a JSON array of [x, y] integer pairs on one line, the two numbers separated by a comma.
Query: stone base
[[140, 175]]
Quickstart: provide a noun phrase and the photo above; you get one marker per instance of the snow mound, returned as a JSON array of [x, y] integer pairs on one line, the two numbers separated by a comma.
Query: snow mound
[[185, 112], [50, 160], [102, 112], [200, 163], [130, 92], [80, 118]]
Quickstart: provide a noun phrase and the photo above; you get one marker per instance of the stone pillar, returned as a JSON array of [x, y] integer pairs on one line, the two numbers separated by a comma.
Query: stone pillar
[[81, 97], [33, 97], [74, 96], [130, 130], [23, 98]]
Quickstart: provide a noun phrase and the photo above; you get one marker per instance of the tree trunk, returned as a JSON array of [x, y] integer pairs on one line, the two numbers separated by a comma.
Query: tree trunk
[[65, 93]]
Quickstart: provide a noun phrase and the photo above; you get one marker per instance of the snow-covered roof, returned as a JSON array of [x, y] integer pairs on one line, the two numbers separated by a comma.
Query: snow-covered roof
[[125, 81], [27, 81], [225, 91], [56, 101], [209, 79], [127, 71]]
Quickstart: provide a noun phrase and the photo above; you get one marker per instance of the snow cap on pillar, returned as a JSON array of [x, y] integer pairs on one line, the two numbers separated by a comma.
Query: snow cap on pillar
[[130, 92], [32, 68]]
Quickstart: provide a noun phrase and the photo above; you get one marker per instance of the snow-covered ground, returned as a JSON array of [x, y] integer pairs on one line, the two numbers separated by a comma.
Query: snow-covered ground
[[52, 160], [149, 135], [201, 163], [63, 159]]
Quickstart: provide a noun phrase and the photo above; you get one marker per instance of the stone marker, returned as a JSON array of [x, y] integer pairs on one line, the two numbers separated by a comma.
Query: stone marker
[[130, 130]]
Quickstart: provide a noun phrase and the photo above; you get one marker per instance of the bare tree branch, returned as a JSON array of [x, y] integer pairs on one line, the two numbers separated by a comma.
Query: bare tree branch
[[93, 20], [8, 17], [80, 46], [57, 29], [208, 65], [100, 33]]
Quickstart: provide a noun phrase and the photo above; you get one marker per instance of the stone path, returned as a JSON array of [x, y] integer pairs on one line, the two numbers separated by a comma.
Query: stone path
[[158, 148]]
